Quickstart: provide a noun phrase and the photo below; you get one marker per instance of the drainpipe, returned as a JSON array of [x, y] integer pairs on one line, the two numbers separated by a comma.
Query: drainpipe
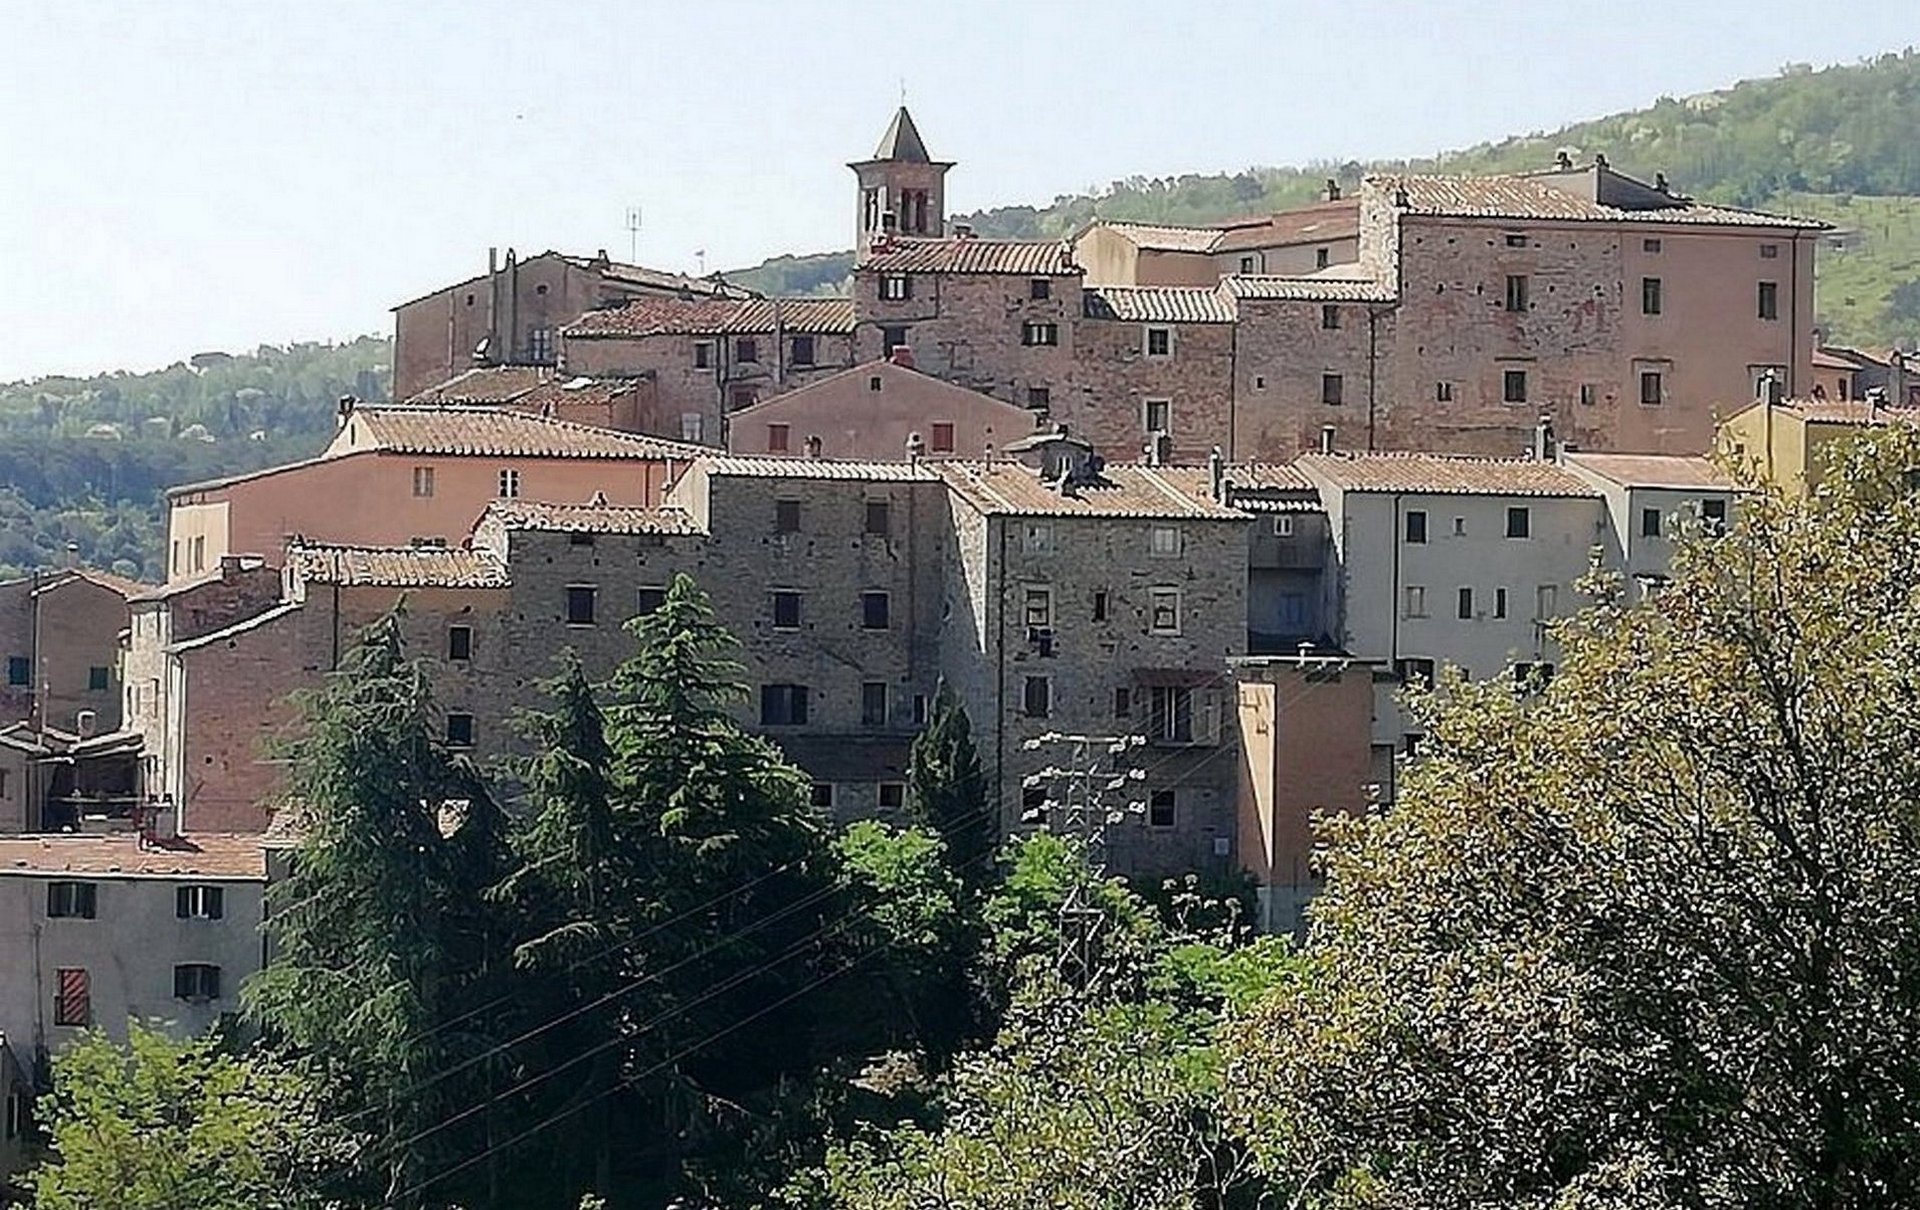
[[1000, 676], [1793, 319], [1373, 348], [1233, 388], [35, 696]]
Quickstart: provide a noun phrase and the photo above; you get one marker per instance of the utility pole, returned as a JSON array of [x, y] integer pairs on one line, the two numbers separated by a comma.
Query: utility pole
[[1077, 806]]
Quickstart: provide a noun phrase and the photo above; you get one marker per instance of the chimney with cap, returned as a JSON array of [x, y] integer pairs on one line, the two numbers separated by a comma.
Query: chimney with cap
[[916, 448], [1333, 190], [1563, 160], [963, 231], [1543, 439], [1771, 391], [344, 411], [1217, 475], [813, 445], [1326, 438], [1159, 449]]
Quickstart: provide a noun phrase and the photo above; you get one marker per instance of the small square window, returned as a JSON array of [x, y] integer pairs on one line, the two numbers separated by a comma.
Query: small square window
[[801, 350], [1037, 697], [459, 642], [1519, 523], [1332, 389], [1443, 392], [1039, 398], [875, 611], [1466, 604], [919, 709], [1039, 287], [1516, 292], [1163, 542], [648, 601], [71, 900], [1516, 240], [1246, 264], [1769, 300], [703, 354], [786, 516], [1414, 671], [822, 796], [1546, 602], [1157, 415], [1588, 393], [199, 902], [1160, 809], [73, 997], [786, 611], [942, 437], [1650, 296], [1416, 527], [1650, 245], [778, 438], [896, 287], [1033, 803], [873, 704], [1322, 257], [1037, 538], [1769, 251], [423, 481], [891, 337], [1038, 608], [746, 350], [1329, 317], [196, 982], [1159, 342], [580, 604], [1416, 601], [1123, 702], [1040, 333], [1100, 605], [1714, 513], [892, 795], [1649, 522], [1283, 526], [98, 678], [459, 730], [1652, 388], [1163, 611], [1513, 386], [879, 518], [509, 483], [783, 705]]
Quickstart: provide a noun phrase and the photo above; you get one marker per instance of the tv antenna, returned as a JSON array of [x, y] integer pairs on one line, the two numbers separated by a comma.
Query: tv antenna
[[633, 235]]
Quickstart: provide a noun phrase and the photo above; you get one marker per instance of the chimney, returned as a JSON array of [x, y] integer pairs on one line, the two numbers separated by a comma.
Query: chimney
[[1563, 160], [231, 566], [493, 260], [1159, 449], [986, 456], [344, 410], [1217, 475], [85, 722], [1876, 399], [813, 446], [1333, 190], [1400, 195], [902, 356], [916, 448], [1543, 439], [963, 231], [1326, 438], [1660, 182], [1600, 160]]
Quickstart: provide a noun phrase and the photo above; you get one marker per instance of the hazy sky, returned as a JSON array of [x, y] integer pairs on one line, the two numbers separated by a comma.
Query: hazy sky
[[179, 175]]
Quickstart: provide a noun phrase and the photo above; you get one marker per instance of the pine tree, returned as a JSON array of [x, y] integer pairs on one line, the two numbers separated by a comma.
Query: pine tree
[[947, 792], [379, 930]]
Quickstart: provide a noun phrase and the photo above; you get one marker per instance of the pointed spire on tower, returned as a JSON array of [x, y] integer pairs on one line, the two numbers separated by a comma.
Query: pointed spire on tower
[[901, 143]]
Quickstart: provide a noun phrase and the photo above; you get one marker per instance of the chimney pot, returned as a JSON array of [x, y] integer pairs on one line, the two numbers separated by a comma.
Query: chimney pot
[[1217, 475], [1563, 159], [916, 447], [813, 446], [1333, 190], [1326, 438]]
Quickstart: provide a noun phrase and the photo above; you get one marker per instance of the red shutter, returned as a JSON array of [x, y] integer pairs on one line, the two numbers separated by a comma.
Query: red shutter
[[74, 1005]]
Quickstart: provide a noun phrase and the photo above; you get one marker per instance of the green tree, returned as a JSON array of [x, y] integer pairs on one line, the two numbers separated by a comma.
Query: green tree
[[1651, 937], [382, 928], [947, 793], [159, 1124]]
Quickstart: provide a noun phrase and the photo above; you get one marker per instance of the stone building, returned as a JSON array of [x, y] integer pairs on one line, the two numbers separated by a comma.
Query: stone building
[[395, 475], [60, 635], [1102, 600], [695, 361], [512, 314], [1152, 365], [876, 411]]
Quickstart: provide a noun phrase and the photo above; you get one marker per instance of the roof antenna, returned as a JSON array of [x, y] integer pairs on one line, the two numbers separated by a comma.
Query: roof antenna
[[903, 92], [633, 235]]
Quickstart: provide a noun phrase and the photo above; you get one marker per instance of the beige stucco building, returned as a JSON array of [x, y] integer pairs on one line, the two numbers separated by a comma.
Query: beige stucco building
[[879, 411]]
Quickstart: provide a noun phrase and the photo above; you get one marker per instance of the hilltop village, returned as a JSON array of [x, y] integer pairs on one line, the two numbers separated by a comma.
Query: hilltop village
[[1225, 490]]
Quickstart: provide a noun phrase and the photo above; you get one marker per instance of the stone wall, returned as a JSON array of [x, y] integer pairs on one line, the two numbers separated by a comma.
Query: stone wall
[[1113, 377]]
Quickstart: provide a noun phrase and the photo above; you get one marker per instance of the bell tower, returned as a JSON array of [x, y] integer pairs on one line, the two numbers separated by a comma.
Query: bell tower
[[903, 190]]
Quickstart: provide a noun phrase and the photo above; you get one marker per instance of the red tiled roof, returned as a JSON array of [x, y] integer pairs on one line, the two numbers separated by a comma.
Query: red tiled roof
[[1318, 288], [206, 855], [1679, 472], [1442, 474], [743, 466], [395, 566], [1022, 258], [1141, 492], [486, 384], [1536, 197], [465, 431], [714, 317], [596, 517], [1164, 238], [1316, 224], [1158, 304], [1847, 411]]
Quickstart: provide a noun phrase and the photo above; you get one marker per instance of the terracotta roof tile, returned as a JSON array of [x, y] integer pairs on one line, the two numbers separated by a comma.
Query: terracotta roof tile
[[1022, 258], [486, 384], [1677, 472], [1159, 304], [206, 855], [597, 517], [1316, 224], [1442, 474], [395, 566], [715, 317], [1847, 411], [747, 467], [1268, 476], [1319, 288], [1164, 238], [1538, 196], [468, 431], [1140, 492]]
